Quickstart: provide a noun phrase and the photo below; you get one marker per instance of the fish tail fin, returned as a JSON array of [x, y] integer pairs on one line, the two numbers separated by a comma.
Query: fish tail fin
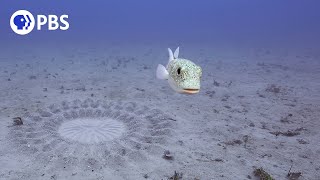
[[162, 72], [176, 53]]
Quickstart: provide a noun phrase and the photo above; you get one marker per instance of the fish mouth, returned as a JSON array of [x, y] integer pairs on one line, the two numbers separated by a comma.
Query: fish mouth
[[190, 91]]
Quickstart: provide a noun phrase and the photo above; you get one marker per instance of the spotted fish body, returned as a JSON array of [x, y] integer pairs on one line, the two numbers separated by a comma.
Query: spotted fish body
[[182, 74]]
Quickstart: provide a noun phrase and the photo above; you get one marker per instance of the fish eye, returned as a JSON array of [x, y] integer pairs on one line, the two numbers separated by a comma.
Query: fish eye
[[179, 70]]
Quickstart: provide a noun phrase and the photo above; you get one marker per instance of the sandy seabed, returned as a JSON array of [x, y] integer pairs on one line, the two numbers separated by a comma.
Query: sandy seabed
[[96, 112]]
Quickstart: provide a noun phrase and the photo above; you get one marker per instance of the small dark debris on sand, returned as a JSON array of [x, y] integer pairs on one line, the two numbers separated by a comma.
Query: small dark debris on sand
[[264, 125], [286, 119], [245, 139], [302, 141], [229, 84], [218, 160], [266, 155], [140, 89], [234, 142], [225, 98], [215, 83], [252, 124], [288, 133], [261, 95], [17, 121], [262, 174], [215, 111], [293, 175], [171, 119], [32, 77], [53, 177], [167, 155], [273, 88], [210, 93], [176, 176]]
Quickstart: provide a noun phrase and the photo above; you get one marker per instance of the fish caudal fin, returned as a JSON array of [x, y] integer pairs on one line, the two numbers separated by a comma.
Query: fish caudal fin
[[162, 72], [176, 53], [171, 57]]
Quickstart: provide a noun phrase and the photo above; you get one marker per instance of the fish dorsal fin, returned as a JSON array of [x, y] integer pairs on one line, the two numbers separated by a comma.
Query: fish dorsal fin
[[176, 53], [170, 55]]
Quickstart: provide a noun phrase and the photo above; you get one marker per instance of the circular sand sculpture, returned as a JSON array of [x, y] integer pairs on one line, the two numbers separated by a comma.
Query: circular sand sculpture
[[93, 134]]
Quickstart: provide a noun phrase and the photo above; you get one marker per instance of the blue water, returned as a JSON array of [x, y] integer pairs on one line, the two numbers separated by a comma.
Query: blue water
[[241, 22]]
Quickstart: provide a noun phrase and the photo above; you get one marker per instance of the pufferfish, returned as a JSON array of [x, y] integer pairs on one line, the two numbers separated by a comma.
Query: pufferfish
[[182, 74]]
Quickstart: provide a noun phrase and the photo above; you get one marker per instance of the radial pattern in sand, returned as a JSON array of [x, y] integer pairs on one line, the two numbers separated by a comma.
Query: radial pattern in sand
[[87, 130], [93, 134]]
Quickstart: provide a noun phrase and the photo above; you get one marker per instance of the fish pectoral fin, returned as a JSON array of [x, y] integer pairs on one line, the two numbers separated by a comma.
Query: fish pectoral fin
[[176, 53], [171, 57], [162, 72]]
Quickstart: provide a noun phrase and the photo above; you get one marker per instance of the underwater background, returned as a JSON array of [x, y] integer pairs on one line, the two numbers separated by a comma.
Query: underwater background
[[244, 23], [85, 103]]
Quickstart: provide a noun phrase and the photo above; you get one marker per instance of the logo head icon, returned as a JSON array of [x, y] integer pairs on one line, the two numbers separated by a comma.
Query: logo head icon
[[22, 22]]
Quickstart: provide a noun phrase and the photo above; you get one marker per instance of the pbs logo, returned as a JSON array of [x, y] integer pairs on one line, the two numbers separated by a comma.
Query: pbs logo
[[23, 22]]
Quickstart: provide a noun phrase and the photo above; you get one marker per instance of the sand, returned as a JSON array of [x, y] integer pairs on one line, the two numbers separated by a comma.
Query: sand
[[98, 112]]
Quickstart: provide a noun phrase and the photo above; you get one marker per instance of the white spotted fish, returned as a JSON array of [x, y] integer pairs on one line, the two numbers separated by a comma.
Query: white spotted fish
[[182, 74]]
